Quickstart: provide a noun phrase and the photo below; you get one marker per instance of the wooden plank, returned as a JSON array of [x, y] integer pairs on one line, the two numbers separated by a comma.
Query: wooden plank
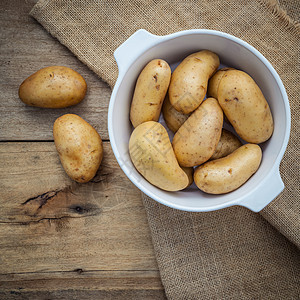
[[80, 284], [49, 223], [60, 239], [85, 294], [26, 47]]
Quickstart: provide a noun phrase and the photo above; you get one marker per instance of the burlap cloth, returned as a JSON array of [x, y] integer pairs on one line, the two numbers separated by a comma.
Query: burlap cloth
[[228, 254]]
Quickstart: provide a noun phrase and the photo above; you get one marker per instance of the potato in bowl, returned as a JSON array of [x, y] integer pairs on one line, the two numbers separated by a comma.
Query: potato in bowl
[[261, 188]]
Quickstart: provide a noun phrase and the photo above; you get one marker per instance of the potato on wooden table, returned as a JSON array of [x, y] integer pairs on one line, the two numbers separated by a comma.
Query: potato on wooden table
[[53, 87], [79, 147]]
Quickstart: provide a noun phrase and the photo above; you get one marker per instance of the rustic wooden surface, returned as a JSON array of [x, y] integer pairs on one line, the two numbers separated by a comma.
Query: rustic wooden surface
[[60, 239]]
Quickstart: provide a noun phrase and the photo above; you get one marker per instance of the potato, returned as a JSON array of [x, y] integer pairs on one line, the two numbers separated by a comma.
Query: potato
[[79, 147], [53, 87], [245, 107], [150, 91], [190, 174], [227, 144], [174, 119], [230, 172], [189, 80], [196, 140], [152, 155], [213, 83]]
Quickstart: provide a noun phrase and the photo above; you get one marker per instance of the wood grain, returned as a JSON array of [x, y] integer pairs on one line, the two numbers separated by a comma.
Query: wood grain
[[80, 284], [60, 239], [26, 47], [53, 228], [49, 223]]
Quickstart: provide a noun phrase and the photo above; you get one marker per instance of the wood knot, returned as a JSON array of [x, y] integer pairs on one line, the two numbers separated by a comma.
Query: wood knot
[[78, 209], [87, 209]]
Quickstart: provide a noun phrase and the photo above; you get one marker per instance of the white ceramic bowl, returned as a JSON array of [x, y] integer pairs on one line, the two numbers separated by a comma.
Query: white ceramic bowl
[[142, 47]]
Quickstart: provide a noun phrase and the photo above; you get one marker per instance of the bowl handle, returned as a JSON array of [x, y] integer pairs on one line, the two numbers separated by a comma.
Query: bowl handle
[[272, 187], [136, 44]]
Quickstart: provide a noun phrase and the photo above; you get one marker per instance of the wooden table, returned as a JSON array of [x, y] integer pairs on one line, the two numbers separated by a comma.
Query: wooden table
[[60, 239]]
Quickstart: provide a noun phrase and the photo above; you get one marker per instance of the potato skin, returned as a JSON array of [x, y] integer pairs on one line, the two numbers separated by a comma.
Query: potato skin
[[79, 147], [53, 87], [245, 107], [227, 144], [214, 81], [174, 119], [196, 140], [189, 80], [230, 172], [190, 174], [152, 155], [150, 91]]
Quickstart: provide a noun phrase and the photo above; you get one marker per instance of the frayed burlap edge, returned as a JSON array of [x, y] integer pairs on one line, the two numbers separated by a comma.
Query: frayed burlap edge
[[281, 15]]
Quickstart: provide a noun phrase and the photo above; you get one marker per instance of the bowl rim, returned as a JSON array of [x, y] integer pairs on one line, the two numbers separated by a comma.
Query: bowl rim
[[164, 38]]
